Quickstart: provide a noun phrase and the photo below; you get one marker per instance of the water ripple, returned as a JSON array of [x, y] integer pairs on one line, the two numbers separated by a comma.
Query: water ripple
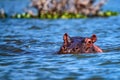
[[28, 48]]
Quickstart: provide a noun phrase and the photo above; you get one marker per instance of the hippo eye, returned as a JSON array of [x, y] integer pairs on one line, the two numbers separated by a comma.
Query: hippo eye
[[73, 49], [64, 47], [89, 42], [76, 48]]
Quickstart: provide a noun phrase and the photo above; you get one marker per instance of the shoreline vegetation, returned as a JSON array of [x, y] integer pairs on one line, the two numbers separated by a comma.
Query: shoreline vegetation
[[65, 9]]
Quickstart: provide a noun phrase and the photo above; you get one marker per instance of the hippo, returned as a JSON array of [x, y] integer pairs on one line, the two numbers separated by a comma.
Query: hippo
[[79, 45]]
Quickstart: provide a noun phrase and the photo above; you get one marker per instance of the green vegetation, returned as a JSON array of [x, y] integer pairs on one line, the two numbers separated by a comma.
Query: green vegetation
[[108, 14], [23, 15], [57, 15], [63, 9], [64, 15]]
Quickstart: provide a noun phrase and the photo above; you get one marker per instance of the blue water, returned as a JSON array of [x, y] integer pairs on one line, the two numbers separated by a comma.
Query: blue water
[[28, 47]]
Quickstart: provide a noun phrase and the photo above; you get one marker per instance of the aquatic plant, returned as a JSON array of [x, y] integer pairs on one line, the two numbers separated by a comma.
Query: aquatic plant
[[64, 15], [65, 9]]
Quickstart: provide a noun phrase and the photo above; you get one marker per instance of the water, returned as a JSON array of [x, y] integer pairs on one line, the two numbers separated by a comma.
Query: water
[[28, 49]]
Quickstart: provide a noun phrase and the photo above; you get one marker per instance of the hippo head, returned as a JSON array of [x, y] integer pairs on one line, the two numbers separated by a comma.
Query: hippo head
[[78, 44]]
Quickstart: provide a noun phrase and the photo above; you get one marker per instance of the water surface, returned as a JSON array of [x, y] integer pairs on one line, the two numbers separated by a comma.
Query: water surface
[[28, 49]]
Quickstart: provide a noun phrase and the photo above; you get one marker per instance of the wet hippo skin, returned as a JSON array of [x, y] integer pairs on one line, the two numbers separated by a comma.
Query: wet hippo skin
[[79, 45]]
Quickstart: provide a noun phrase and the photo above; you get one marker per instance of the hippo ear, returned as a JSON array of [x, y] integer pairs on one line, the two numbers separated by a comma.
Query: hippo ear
[[66, 38], [94, 38]]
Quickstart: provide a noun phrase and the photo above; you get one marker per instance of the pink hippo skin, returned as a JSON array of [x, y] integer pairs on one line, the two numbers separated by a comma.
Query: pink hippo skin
[[79, 45]]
